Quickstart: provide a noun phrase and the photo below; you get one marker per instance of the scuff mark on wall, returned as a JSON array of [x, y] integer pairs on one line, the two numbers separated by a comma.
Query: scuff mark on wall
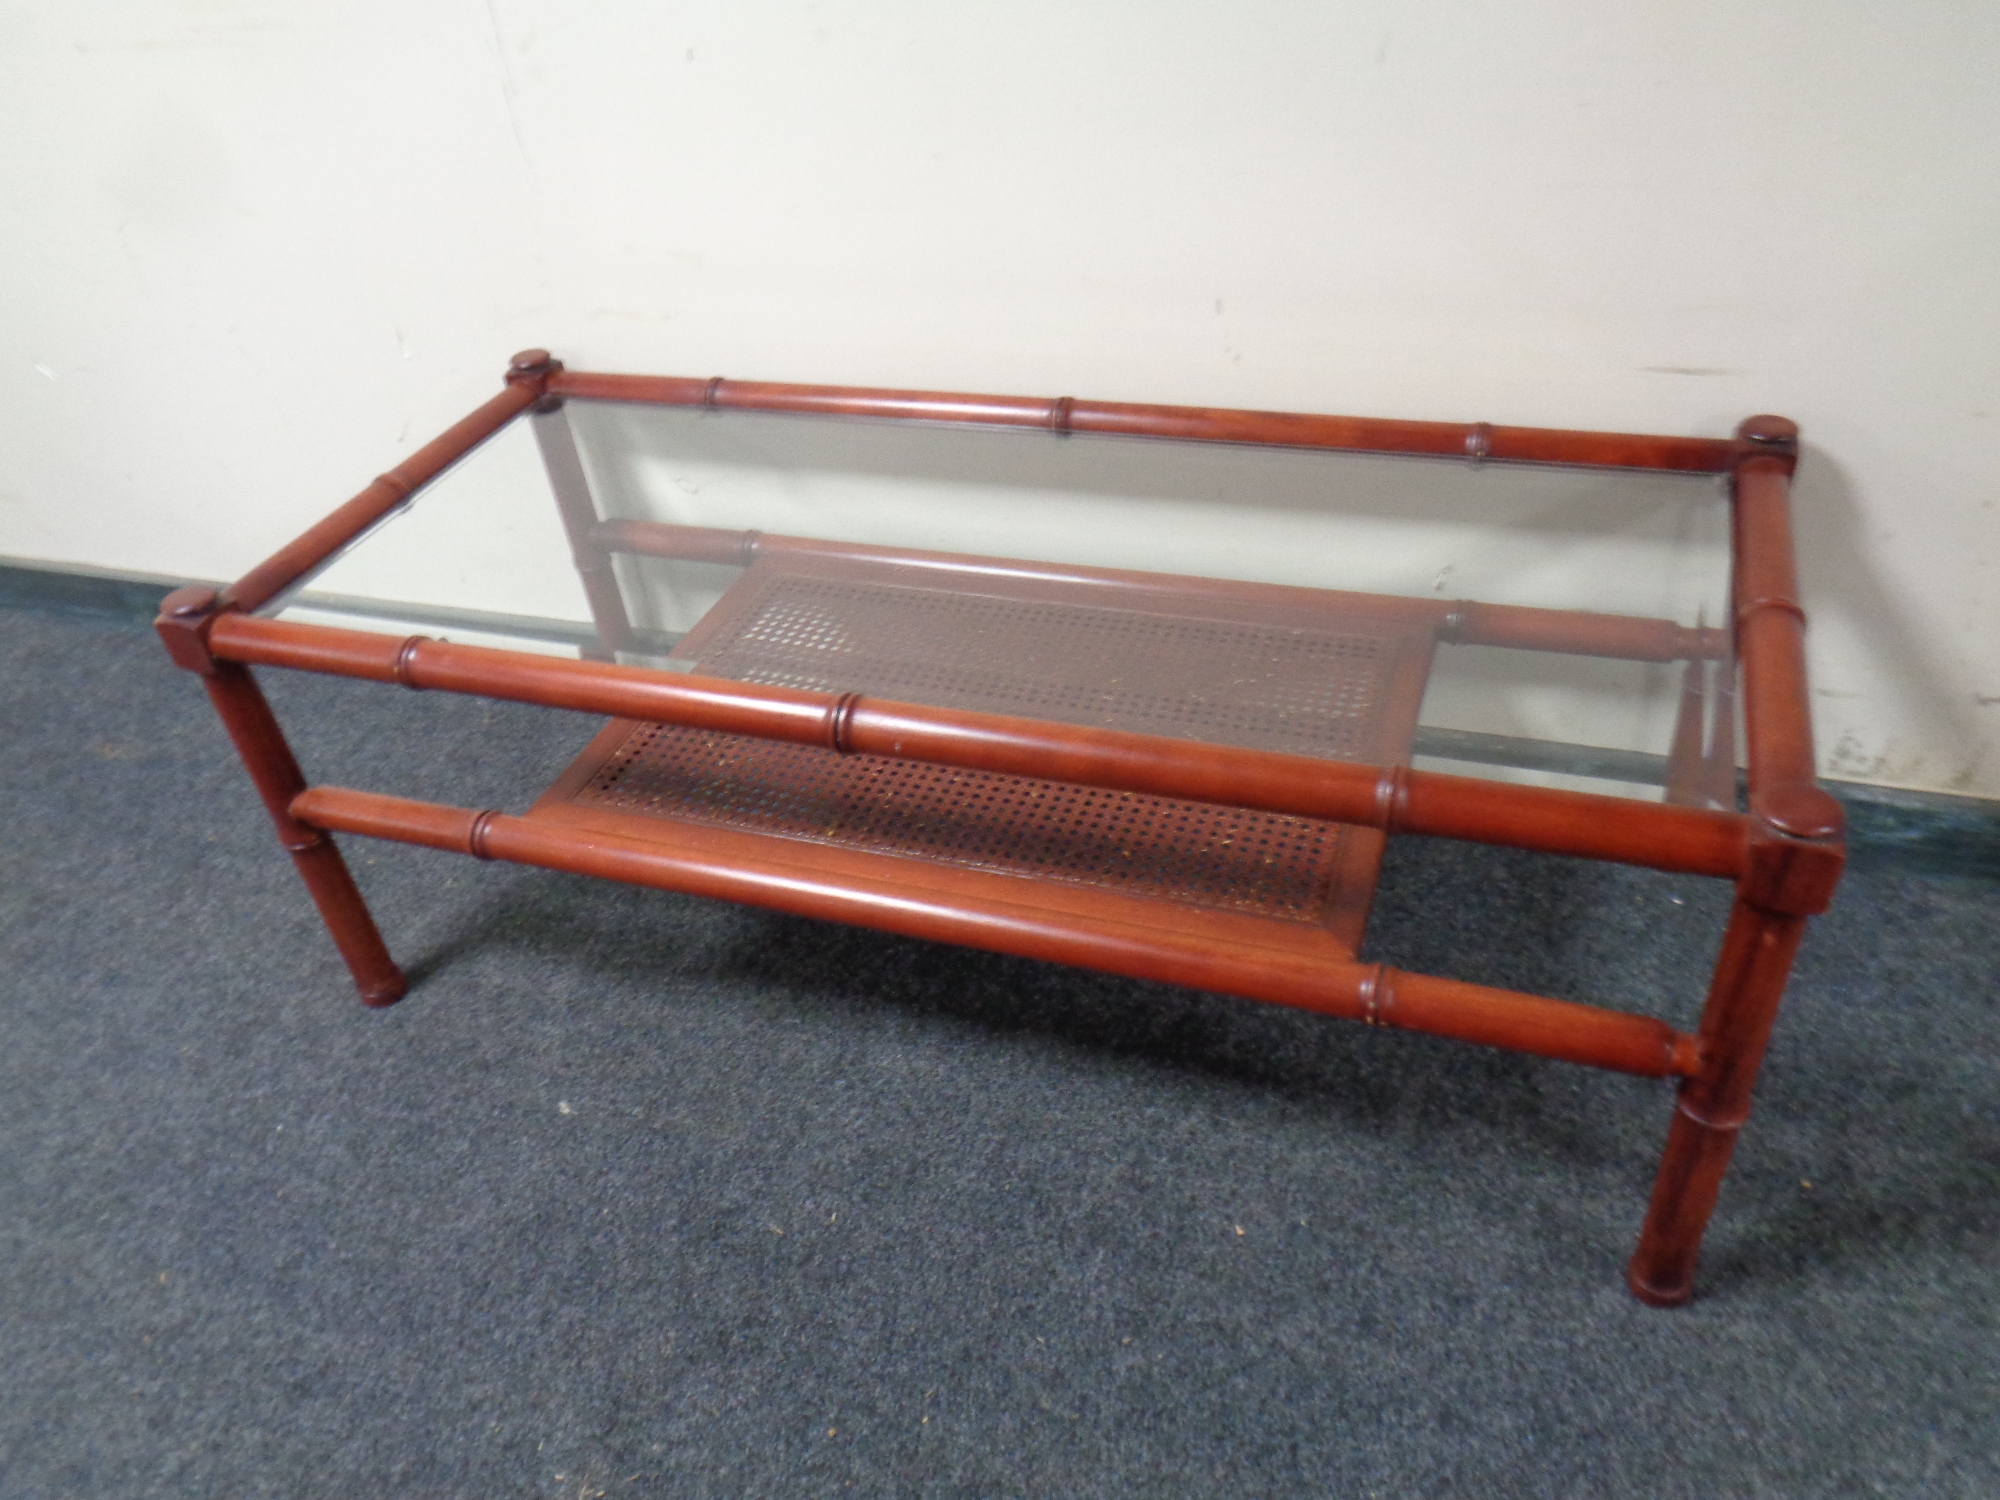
[[1850, 758], [509, 87], [1228, 346]]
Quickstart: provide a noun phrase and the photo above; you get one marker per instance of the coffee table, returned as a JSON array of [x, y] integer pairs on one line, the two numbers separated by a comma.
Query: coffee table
[[1142, 689]]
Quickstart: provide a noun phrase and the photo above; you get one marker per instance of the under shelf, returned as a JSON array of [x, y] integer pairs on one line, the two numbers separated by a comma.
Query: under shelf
[[1284, 677]]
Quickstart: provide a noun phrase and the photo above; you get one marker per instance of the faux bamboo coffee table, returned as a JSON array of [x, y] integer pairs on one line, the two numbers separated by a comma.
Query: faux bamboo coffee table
[[1137, 688]]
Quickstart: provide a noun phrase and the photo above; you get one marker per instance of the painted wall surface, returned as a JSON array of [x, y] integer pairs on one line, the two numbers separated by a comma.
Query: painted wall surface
[[255, 250]]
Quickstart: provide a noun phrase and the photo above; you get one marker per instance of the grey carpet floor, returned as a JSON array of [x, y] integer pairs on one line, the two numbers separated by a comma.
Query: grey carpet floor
[[644, 1195]]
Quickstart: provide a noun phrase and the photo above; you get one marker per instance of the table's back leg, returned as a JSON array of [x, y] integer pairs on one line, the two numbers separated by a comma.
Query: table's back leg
[[579, 517], [1685, 759], [254, 730], [1719, 765]]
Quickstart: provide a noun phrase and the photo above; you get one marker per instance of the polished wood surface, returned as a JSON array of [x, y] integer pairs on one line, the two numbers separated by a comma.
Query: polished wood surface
[[1014, 916], [1794, 859], [1392, 798], [1714, 1103], [1784, 853], [1477, 440], [1770, 627], [186, 615]]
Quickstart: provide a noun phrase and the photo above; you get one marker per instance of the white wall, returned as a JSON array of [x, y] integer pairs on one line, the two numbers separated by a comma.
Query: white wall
[[253, 250]]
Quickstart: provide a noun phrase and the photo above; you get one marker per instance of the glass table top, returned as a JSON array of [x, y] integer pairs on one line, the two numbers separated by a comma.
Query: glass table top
[[1556, 626]]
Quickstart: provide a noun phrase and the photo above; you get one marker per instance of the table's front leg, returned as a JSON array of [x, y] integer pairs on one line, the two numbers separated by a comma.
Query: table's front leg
[[1713, 1105], [1796, 852], [254, 730]]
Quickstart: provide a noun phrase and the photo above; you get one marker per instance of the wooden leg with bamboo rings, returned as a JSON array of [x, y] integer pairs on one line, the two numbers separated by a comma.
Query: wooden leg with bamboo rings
[[1742, 1003], [261, 743], [1791, 877]]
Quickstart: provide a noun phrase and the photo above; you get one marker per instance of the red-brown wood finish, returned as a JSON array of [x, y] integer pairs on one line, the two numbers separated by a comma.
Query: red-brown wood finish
[[1785, 854], [1390, 703], [1392, 798], [1477, 440], [1713, 1105], [945, 906], [1795, 857], [1770, 622], [254, 730], [936, 881]]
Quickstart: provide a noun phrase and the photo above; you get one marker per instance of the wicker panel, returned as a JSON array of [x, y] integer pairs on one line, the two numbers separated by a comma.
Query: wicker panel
[[1305, 690], [1226, 859]]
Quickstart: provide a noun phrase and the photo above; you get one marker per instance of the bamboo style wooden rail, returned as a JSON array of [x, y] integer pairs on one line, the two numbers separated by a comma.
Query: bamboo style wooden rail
[[1393, 798], [1371, 993], [1476, 440], [1784, 854]]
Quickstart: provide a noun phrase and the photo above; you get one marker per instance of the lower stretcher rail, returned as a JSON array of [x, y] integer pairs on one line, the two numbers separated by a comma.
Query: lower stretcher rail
[[1011, 915]]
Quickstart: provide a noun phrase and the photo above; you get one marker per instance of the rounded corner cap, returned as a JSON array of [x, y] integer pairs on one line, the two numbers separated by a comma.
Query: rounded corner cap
[[190, 603], [1804, 812], [1767, 429], [532, 367]]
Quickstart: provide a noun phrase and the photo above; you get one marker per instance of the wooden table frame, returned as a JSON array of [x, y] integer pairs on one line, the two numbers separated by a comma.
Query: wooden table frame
[[1784, 853]]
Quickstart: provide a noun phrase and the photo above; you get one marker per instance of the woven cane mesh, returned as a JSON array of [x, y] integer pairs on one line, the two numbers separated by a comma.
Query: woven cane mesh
[[1222, 858], [1302, 690]]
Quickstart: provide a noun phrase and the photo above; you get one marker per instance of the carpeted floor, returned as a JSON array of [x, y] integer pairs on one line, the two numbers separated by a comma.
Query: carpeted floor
[[643, 1195]]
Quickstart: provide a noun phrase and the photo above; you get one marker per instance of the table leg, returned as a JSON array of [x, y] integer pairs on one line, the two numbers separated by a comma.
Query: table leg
[[594, 567], [1684, 759], [254, 730], [1743, 1001]]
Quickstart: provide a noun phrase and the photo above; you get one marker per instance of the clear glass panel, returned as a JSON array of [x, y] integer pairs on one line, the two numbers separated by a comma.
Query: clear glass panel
[[1320, 603], [480, 557]]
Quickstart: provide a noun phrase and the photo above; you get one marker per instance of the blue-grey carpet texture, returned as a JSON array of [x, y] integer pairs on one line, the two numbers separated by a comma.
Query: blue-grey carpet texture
[[639, 1194]]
